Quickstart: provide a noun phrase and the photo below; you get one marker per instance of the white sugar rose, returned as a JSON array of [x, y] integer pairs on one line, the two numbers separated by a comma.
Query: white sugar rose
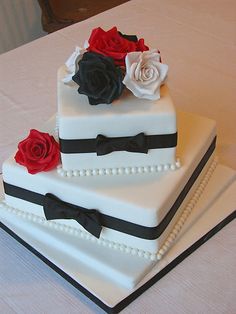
[[145, 74], [72, 64]]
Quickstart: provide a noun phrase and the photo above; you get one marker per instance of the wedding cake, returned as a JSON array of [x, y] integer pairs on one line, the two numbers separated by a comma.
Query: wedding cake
[[118, 165]]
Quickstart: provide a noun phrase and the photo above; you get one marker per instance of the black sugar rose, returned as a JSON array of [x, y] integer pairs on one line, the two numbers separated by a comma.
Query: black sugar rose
[[99, 78]]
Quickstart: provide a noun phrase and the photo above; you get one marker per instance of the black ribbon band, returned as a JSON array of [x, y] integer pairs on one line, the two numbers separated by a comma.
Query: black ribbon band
[[103, 145], [148, 233]]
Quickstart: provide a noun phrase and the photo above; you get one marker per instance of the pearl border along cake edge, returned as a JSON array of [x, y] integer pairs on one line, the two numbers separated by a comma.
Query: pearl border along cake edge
[[118, 171], [121, 247]]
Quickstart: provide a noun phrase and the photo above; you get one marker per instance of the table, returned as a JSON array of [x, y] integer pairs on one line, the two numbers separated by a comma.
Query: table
[[197, 40]]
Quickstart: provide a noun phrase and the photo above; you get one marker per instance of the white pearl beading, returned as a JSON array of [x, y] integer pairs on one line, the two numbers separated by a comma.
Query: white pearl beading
[[187, 211], [118, 171], [117, 246]]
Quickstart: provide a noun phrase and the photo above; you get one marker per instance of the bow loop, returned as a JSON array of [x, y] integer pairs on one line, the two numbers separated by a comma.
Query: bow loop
[[54, 208], [135, 144]]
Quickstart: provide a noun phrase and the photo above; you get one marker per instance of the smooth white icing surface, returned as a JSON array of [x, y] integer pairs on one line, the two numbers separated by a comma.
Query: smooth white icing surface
[[127, 116], [119, 159], [62, 244], [144, 200], [152, 250]]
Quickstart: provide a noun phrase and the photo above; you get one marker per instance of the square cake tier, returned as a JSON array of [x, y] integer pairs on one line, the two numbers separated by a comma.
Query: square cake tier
[[133, 213], [98, 137]]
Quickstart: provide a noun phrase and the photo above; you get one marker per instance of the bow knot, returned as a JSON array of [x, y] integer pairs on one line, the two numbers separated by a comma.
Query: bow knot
[[135, 144], [54, 208]]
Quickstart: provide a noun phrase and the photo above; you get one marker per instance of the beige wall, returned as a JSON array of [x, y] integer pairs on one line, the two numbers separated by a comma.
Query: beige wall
[[20, 22]]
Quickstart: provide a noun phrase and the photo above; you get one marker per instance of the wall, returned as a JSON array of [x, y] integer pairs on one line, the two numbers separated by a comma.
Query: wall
[[20, 22]]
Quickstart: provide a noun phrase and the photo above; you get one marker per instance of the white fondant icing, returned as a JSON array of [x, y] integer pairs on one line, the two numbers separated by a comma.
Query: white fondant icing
[[145, 201], [65, 228], [126, 116]]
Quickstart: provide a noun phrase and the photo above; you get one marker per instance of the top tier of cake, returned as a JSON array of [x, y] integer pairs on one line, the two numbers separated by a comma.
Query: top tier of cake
[[120, 122]]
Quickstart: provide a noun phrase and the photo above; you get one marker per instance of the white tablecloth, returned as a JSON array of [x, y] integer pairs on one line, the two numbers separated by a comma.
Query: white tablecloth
[[197, 40]]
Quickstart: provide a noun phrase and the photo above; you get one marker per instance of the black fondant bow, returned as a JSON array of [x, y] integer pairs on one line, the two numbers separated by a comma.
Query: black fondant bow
[[54, 208], [136, 144]]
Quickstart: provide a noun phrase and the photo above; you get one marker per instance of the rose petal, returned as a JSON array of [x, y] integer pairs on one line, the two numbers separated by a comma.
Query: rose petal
[[113, 44], [163, 70], [72, 64]]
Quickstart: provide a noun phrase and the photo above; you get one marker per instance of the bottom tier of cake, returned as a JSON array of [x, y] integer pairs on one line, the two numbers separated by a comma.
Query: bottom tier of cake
[[109, 276]]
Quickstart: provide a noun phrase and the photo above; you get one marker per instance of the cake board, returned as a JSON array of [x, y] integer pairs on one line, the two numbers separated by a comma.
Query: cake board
[[215, 209]]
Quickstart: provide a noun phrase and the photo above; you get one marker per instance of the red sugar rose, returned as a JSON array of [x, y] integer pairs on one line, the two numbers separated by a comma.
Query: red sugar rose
[[38, 152], [113, 44]]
